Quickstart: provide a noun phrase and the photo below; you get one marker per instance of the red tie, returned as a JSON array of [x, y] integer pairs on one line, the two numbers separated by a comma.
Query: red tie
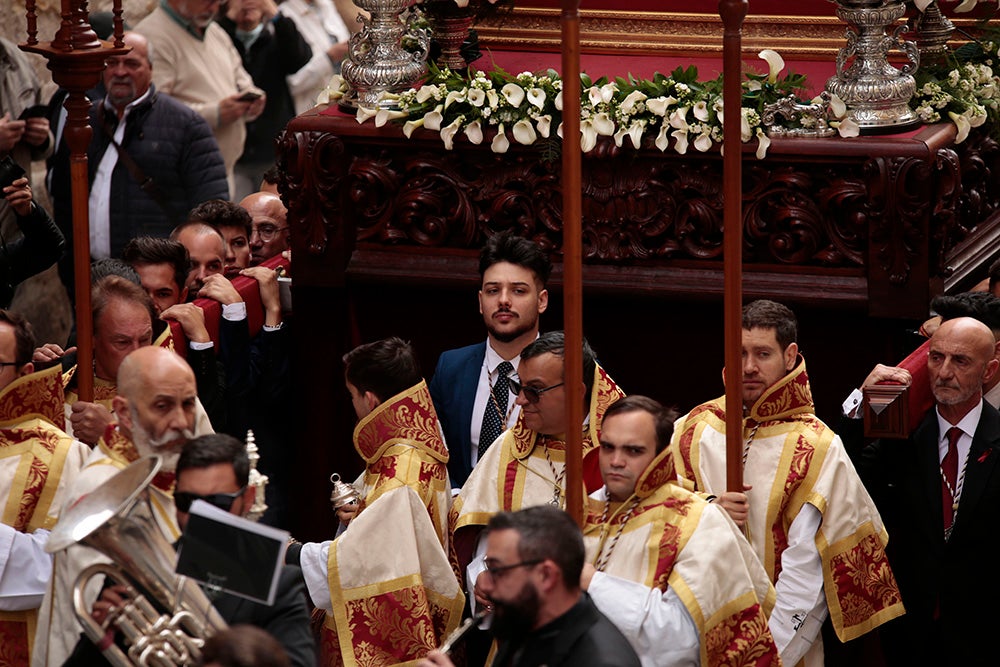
[[949, 466]]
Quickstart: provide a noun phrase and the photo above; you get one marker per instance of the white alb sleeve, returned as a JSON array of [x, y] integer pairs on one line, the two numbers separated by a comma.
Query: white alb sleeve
[[313, 559], [800, 608], [25, 568], [656, 623]]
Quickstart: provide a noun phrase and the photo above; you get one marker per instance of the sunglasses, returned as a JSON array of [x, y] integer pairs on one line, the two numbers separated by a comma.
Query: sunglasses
[[532, 394], [224, 501]]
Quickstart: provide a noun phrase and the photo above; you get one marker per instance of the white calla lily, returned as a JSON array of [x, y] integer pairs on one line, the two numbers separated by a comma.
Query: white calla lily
[[410, 125], [454, 96], [603, 124], [680, 141], [594, 95], [448, 133], [608, 91], [632, 100], [838, 106], [500, 142], [477, 97], [745, 131], [558, 101], [703, 142], [846, 128], [385, 115], [524, 132], [635, 134], [775, 63], [663, 138], [963, 125], [700, 110], [967, 6], [513, 93], [474, 132], [588, 136], [364, 113], [678, 118], [660, 105], [433, 119], [425, 93], [544, 125], [536, 97], [922, 4], [763, 143]]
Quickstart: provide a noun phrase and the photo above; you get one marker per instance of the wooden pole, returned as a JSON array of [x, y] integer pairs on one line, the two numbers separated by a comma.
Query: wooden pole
[[733, 12], [572, 257], [76, 58]]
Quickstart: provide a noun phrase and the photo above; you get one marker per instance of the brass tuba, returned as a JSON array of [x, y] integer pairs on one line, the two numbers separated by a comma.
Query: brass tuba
[[117, 519]]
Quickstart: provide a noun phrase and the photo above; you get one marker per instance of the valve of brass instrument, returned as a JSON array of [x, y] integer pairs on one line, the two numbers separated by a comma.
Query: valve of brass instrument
[[343, 493]]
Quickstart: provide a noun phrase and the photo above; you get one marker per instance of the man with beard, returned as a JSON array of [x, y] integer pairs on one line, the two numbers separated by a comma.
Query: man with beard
[[809, 518], [470, 387], [151, 159], [939, 491], [540, 615], [156, 410]]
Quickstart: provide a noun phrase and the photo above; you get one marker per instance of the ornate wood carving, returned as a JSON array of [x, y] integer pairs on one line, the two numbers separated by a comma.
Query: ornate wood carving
[[878, 222]]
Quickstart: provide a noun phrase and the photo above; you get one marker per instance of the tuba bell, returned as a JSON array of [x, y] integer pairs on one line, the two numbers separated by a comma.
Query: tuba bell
[[167, 616]]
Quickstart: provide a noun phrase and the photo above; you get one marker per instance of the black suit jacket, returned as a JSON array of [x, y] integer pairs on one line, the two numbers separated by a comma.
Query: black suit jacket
[[949, 589], [453, 390]]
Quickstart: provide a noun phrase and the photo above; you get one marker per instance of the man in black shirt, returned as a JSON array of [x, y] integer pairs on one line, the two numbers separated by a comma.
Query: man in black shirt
[[540, 615]]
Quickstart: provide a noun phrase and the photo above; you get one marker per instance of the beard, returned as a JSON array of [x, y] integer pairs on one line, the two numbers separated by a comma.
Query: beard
[[517, 617], [167, 446], [521, 327]]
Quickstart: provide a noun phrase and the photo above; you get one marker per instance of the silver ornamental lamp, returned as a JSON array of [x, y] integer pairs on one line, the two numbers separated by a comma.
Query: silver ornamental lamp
[[378, 61], [877, 94], [258, 481]]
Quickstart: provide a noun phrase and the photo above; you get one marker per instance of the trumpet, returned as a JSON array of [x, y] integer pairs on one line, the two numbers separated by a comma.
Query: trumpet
[[117, 520]]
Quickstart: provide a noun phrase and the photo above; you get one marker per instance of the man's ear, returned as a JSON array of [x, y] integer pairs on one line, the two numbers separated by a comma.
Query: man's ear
[[543, 301], [991, 370], [26, 369], [372, 401], [791, 356], [480, 299], [119, 405], [249, 497]]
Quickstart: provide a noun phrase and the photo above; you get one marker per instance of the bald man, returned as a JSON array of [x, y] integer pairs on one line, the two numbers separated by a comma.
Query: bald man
[[207, 249], [939, 492], [156, 411], [269, 228]]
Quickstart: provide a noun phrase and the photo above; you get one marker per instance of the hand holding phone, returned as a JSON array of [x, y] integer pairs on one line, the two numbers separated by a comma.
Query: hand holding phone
[[34, 111], [249, 96]]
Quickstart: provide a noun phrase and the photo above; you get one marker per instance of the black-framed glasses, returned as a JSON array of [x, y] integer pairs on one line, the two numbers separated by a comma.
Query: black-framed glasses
[[533, 394], [224, 501], [10, 363], [497, 571], [266, 232]]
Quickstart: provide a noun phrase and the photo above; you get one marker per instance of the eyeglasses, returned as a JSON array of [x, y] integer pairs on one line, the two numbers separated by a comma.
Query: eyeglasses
[[224, 501], [266, 232], [497, 571], [11, 363], [533, 394]]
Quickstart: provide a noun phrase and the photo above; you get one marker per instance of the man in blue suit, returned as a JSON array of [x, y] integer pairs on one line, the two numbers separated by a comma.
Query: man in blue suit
[[470, 388]]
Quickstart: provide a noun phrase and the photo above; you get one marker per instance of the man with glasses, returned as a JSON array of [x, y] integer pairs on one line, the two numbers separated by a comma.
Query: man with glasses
[[32, 441], [156, 409], [269, 229], [392, 559], [540, 616], [527, 464], [215, 468]]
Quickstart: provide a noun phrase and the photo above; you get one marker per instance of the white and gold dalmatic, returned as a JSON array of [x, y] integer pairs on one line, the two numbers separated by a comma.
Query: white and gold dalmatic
[[38, 462], [793, 459], [390, 592], [665, 536]]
